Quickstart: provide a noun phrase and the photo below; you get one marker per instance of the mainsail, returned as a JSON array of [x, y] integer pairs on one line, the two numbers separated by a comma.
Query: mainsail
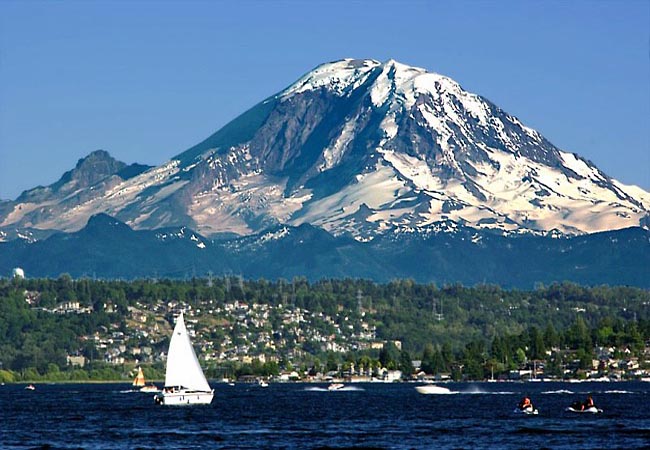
[[139, 378], [183, 367]]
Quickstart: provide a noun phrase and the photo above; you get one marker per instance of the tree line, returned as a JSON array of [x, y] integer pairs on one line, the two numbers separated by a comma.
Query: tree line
[[467, 331]]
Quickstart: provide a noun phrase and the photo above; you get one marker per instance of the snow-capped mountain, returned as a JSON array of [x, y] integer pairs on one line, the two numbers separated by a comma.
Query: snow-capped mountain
[[359, 148]]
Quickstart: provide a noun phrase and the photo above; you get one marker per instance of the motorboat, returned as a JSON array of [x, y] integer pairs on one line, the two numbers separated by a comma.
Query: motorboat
[[30, 387], [335, 387], [432, 389]]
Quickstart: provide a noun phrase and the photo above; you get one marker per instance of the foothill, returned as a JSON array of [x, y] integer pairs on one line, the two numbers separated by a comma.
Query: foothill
[[353, 330]]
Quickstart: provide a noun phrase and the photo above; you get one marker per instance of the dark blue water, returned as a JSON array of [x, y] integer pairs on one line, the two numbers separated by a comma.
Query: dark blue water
[[302, 416]]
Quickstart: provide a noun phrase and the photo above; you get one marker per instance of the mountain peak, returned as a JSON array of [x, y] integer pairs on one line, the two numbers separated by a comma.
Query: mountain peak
[[335, 75], [89, 170], [345, 75], [99, 154], [356, 147]]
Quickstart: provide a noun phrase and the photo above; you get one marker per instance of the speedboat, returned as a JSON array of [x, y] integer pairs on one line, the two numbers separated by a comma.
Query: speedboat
[[30, 387], [432, 389], [335, 386]]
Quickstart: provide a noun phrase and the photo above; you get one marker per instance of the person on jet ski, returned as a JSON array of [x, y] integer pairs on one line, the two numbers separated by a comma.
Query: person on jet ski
[[525, 403], [577, 405], [589, 403]]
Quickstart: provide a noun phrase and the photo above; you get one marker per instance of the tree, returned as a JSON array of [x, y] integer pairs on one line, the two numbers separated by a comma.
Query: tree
[[439, 364], [332, 364], [537, 347], [551, 338], [578, 335], [388, 356], [520, 356], [427, 359], [405, 364]]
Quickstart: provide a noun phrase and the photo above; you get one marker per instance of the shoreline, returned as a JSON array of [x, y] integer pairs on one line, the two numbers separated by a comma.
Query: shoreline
[[219, 382]]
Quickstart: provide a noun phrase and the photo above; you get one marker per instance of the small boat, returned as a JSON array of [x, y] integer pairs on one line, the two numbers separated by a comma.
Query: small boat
[[139, 381], [432, 389], [185, 383], [262, 383], [335, 387], [30, 387], [139, 378], [150, 388]]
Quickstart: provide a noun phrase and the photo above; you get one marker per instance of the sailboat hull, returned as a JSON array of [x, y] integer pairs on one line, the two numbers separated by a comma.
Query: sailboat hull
[[184, 397]]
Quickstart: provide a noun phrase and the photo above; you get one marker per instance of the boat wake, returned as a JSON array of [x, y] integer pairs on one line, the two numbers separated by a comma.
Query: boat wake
[[343, 389], [488, 392], [559, 391], [478, 390]]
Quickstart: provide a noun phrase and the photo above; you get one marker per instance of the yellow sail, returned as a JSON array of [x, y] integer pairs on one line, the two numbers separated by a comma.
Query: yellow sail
[[139, 379]]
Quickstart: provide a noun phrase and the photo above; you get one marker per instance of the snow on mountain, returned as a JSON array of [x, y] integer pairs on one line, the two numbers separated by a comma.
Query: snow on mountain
[[486, 169], [361, 148]]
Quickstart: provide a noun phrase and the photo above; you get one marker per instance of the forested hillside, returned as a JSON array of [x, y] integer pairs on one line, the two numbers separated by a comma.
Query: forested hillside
[[266, 327]]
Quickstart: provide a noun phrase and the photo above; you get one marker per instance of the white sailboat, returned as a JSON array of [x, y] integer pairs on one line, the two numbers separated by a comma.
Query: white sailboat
[[185, 382]]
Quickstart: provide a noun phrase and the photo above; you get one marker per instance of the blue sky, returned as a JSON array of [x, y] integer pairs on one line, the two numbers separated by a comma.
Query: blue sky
[[146, 80]]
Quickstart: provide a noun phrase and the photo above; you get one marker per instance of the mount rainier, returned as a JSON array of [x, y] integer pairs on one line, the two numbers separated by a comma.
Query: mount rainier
[[358, 169], [358, 148]]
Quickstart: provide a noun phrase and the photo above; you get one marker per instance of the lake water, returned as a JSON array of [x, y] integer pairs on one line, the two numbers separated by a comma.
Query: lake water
[[306, 416]]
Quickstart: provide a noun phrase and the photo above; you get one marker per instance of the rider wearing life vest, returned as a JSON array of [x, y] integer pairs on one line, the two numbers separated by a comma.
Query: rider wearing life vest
[[525, 403]]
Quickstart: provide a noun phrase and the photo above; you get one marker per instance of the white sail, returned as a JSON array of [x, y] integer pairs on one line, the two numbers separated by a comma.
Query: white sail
[[183, 367]]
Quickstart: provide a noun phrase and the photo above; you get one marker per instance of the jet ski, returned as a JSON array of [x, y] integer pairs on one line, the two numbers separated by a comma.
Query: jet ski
[[528, 410], [577, 407], [590, 410]]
